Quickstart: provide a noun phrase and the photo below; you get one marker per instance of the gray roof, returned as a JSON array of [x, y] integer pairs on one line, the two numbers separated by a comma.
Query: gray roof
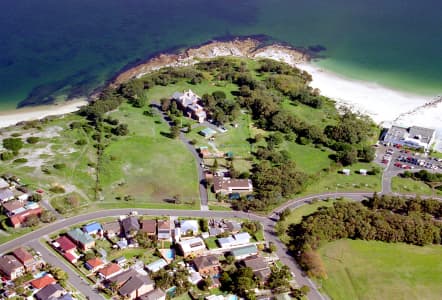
[[3, 184], [233, 226], [153, 295], [114, 226], [49, 292], [9, 264], [6, 194], [256, 263], [134, 283], [130, 224], [425, 134]]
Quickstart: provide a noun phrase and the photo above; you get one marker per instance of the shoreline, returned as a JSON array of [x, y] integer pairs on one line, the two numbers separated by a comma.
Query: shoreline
[[384, 105], [12, 117]]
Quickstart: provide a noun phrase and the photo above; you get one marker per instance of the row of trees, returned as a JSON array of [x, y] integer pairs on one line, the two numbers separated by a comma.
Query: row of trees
[[383, 219]]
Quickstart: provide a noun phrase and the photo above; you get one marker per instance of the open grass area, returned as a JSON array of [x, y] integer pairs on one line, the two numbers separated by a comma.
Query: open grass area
[[297, 214], [308, 158], [411, 186], [319, 117], [376, 270], [335, 182]]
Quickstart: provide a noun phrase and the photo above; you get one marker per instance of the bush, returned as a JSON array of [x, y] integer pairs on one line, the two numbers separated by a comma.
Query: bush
[[59, 166], [7, 155], [33, 140], [81, 142], [57, 189], [20, 161], [13, 144]]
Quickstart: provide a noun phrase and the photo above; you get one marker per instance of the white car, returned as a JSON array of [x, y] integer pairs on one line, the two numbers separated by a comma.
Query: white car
[[222, 129]]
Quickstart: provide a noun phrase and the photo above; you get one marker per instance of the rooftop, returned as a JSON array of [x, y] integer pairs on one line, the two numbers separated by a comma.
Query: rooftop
[[80, 236], [92, 227], [43, 281], [65, 244], [23, 255]]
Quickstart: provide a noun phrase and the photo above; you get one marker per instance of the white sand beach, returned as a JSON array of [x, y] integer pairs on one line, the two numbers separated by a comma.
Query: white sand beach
[[12, 117]]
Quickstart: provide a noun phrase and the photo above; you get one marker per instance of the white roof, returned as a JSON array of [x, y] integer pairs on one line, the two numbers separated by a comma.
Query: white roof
[[156, 265], [193, 244], [3, 184], [195, 277], [226, 241], [187, 225], [243, 237]]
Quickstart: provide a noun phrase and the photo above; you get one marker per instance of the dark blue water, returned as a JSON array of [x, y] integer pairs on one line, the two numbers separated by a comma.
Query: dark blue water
[[53, 49]]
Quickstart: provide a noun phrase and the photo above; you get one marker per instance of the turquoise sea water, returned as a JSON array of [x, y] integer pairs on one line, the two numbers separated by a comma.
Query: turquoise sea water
[[52, 49]]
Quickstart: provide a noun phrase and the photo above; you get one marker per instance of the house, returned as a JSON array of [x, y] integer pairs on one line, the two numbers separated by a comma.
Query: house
[[94, 264], [6, 195], [414, 137], [207, 132], [11, 267], [50, 292], [110, 270], [112, 229], [189, 103], [156, 294], [243, 252], [130, 226], [226, 185], [193, 246], [233, 226], [26, 258], [82, 239], [235, 240], [136, 286], [195, 278], [156, 265], [149, 227], [164, 230], [3, 184], [64, 245], [214, 231], [120, 260], [19, 219], [14, 207], [93, 228], [207, 265], [259, 267], [42, 282], [189, 227]]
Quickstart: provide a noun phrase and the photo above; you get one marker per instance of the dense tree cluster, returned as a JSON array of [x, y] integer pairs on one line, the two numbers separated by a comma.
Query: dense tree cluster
[[220, 108], [424, 175], [388, 219], [109, 100]]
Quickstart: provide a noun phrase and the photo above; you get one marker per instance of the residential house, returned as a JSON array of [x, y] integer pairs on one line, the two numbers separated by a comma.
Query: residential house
[[189, 103], [156, 265], [189, 227], [11, 267], [94, 264], [243, 252], [6, 195], [136, 286], [131, 226], [207, 132], [149, 227], [93, 229], [3, 184], [233, 226], [235, 240], [112, 229], [26, 258], [110, 270], [195, 278], [64, 245], [259, 267], [121, 261], [156, 294], [50, 292], [82, 239], [226, 185], [42, 282], [14, 207], [207, 265], [19, 219], [191, 247], [164, 230], [214, 231]]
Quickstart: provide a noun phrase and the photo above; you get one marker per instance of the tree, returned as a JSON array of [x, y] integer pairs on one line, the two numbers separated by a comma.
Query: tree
[[13, 144], [279, 279], [73, 201], [347, 156], [121, 130], [165, 104], [32, 221], [367, 153], [47, 217], [32, 139], [272, 247], [204, 225], [174, 131]]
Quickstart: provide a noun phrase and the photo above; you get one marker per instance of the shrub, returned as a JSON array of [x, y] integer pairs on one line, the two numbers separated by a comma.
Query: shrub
[[81, 142], [57, 189], [7, 155], [59, 166], [33, 140], [13, 144], [20, 160]]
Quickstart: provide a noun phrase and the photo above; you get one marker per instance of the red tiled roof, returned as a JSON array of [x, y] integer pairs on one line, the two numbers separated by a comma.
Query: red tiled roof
[[95, 262], [109, 270], [23, 255], [65, 244], [43, 281], [70, 257]]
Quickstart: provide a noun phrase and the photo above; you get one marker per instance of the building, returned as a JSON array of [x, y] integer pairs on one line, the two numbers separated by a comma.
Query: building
[[82, 239], [189, 102], [226, 185], [259, 267], [191, 247], [6, 195], [131, 226], [50, 292], [244, 252], [207, 265], [189, 227], [136, 286], [149, 227], [64, 245], [42, 282], [110, 270], [112, 229], [164, 230], [413, 137], [236, 240], [207, 132], [94, 264], [11, 267], [3, 184], [233, 226], [93, 228], [156, 294], [26, 258], [156, 265]]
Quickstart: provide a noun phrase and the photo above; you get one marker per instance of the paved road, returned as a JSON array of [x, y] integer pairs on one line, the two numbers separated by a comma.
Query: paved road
[[78, 282]]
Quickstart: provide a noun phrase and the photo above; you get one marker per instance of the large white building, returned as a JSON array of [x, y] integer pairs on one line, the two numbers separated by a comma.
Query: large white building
[[414, 137]]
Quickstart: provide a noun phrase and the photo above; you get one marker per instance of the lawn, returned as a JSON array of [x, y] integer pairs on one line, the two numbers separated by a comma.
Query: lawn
[[296, 215], [308, 158], [319, 117], [411, 186], [376, 270], [211, 243]]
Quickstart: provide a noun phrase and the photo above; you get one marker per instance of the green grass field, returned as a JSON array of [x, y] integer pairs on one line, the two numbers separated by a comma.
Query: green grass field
[[308, 159], [319, 117], [411, 186], [377, 270]]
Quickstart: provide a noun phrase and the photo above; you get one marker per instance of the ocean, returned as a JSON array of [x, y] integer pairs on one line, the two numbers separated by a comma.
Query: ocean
[[51, 50]]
